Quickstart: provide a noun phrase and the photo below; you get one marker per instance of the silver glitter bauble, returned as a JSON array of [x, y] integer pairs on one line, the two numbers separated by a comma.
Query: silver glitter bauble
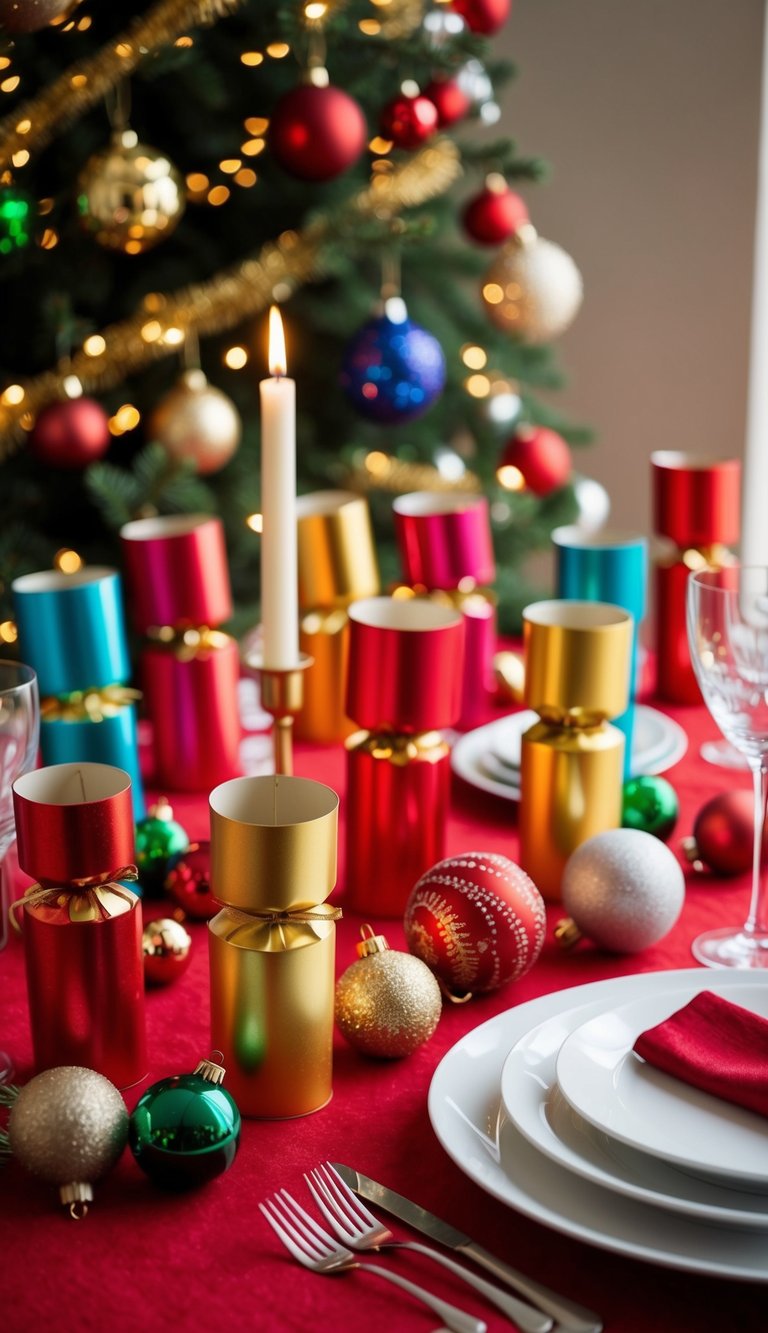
[[624, 889], [532, 289], [68, 1125]]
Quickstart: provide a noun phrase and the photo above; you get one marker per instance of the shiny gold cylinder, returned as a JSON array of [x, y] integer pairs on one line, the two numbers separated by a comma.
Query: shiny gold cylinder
[[272, 993], [273, 843], [324, 636], [577, 658], [336, 553], [571, 788]]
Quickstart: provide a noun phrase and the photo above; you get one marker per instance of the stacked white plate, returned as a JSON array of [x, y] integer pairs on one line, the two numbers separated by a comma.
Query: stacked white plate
[[548, 1108], [489, 756]]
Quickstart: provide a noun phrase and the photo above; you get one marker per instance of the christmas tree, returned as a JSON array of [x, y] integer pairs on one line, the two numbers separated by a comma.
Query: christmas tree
[[168, 170]]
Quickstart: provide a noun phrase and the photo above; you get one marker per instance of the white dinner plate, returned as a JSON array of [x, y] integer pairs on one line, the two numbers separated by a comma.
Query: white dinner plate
[[489, 756], [535, 1105], [613, 1088], [464, 1105]]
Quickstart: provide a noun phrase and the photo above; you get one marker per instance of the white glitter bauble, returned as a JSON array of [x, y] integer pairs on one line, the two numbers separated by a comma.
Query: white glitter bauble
[[624, 889], [533, 289]]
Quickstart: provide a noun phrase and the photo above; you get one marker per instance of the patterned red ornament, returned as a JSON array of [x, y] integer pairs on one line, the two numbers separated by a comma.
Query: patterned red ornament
[[188, 882], [540, 456], [477, 921], [723, 833], [484, 16], [70, 434], [317, 133], [408, 120], [495, 214], [450, 99]]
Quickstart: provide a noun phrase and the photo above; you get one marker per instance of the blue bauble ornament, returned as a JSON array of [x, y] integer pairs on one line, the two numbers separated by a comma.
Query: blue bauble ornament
[[393, 370]]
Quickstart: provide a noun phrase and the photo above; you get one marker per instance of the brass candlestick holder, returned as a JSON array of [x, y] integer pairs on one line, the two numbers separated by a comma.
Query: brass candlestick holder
[[282, 695]]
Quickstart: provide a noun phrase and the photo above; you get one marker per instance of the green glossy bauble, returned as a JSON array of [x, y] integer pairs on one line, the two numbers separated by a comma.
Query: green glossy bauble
[[159, 838], [185, 1131], [18, 216], [651, 805]]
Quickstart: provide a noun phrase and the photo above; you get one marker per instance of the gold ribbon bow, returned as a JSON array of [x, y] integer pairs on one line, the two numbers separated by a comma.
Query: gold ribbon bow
[[282, 923], [190, 642], [90, 705], [95, 898], [400, 749]]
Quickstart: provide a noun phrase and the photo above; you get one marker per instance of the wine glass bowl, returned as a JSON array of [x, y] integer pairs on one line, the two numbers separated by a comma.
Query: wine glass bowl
[[727, 613], [19, 736]]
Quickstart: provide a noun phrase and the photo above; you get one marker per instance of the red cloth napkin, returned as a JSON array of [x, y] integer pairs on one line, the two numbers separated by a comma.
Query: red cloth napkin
[[715, 1045]]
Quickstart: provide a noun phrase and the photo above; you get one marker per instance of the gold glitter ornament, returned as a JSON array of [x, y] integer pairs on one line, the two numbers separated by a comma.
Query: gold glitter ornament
[[533, 289], [69, 1125], [130, 196], [387, 1002], [196, 421]]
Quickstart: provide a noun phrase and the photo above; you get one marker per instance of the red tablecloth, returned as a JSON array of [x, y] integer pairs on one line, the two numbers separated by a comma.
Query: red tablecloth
[[148, 1260]]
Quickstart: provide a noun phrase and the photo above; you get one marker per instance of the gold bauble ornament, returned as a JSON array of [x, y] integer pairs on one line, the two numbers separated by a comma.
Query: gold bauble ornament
[[166, 945], [533, 289], [69, 1125], [130, 196], [387, 1003], [196, 421]]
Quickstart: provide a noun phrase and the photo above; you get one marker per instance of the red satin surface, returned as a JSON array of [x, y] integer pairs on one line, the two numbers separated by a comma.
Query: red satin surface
[[148, 1260], [193, 708]]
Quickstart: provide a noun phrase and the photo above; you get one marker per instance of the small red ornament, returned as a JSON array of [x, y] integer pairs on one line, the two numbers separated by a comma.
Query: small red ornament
[[317, 133], [450, 99], [188, 882], [70, 434], [495, 214], [723, 834], [477, 921], [408, 120], [540, 456], [484, 16]]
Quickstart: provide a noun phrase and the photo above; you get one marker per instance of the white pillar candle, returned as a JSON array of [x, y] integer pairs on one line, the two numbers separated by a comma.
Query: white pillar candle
[[279, 577], [754, 528]]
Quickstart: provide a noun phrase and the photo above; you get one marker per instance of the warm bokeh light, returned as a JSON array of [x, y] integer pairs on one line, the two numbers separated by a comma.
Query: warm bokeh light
[[126, 418], [218, 195], [474, 357], [478, 386], [278, 50], [94, 345], [511, 478], [8, 632], [13, 395], [67, 561], [236, 357], [493, 293], [246, 178], [251, 58], [255, 522]]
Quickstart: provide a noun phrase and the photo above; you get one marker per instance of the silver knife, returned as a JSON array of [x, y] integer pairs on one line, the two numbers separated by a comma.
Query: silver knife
[[571, 1316]]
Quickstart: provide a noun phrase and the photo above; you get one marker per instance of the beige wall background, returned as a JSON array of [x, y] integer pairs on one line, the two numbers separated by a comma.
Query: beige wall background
[[648, 112]]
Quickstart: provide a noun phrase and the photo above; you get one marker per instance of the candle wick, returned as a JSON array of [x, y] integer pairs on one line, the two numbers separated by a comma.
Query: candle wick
[[274, 803], [82, 783]]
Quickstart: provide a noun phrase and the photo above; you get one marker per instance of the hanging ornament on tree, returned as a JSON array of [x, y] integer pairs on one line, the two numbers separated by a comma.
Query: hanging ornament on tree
[[393, 369], [409, 119], [452, 102], [19, 16], [723, 834], [130, 196], [495, 214], [536, 459], [441, 27], [70, 434], [475, 81], [196, 422], [316, 132], [188, 882], [166, 946], [650, 803], [623, 889], [159, 838], [69, 1126], [483, 16], [18, 213], [477, 921], [533, 289], [185, 1129], [387, 1003]]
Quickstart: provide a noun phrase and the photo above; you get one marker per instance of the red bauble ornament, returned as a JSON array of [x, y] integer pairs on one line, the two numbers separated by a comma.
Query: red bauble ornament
[[477, 921], [451, 101], [70, 434], [485, 16], [723, 833], [540, 456], [188, 882], [408, 120], [316, 133], [495, 214]]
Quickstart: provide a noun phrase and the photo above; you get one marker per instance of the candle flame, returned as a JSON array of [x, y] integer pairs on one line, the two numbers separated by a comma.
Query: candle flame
[[277, 360]]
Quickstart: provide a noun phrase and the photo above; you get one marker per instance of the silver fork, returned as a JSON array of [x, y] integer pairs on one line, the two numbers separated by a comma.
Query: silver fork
[[315, 1249], [357, 1227]]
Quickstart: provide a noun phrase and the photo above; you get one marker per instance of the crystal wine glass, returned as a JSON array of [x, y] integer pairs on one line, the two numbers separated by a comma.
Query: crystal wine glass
[[728, 636], [19, 736]]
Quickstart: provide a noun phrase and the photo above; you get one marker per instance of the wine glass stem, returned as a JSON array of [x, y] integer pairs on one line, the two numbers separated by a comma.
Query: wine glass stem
[[757, 921]]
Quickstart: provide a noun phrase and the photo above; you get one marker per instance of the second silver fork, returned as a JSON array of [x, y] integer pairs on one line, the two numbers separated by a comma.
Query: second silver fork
[[360, 1230]]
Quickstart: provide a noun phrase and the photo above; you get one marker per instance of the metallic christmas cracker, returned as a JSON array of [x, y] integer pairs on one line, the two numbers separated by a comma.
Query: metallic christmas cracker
[[177, 571]]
